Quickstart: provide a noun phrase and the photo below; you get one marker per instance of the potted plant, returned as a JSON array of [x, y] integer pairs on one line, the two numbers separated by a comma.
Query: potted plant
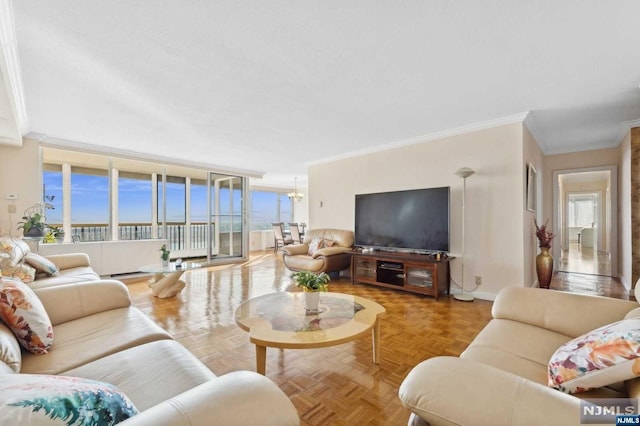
[[56, 232], [544, 260], [312, 284], [33, 220], [165, 255]]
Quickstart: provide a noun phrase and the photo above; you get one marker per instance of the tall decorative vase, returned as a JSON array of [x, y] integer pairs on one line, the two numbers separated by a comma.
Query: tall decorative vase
[[311, 300], [544, 267]]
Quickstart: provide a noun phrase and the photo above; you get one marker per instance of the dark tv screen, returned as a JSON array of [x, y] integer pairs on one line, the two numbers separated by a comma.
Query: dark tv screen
[[413, 220]]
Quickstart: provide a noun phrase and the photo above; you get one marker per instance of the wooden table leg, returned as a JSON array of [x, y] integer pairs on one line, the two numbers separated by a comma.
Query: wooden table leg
[[375, 337], [261, 359]]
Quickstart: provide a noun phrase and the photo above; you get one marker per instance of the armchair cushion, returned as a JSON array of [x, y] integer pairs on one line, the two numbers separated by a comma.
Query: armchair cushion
[[330, 251], [35, 399], [602, 357]]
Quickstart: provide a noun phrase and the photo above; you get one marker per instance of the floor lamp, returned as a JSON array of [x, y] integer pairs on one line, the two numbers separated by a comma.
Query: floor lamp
[[464, 173]]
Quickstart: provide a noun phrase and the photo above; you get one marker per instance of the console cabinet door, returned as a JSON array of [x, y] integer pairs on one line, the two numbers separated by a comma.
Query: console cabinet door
[[364, 269], [422, 277]]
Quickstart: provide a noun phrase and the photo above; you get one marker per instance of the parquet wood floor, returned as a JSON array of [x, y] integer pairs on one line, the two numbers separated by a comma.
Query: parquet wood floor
[[338, 385]]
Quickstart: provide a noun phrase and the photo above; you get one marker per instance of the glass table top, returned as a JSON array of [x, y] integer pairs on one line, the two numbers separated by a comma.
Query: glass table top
[[157, 268], [280, 319]]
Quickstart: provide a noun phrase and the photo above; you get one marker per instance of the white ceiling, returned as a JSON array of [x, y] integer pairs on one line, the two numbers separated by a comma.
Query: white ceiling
[[272, 85], [585, 177]]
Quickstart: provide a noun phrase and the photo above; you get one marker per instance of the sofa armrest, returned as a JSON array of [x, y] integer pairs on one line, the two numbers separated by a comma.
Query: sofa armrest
[[68, 302], [240, 398], [456, 391], [70, 260], [567, 313], [295, 249], [330, 251]]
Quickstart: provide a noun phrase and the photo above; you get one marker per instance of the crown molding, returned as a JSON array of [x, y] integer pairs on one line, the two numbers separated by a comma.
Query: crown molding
[[510, 119], [626, 127], [530, 124], [10, 68], [50, 142]]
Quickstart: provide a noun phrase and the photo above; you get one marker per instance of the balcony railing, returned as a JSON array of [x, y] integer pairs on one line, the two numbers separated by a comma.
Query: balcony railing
[[140, 231]]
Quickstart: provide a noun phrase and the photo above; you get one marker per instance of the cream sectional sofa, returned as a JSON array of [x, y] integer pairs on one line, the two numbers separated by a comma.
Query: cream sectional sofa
[[501, 378], [98, 335], [15, 262]]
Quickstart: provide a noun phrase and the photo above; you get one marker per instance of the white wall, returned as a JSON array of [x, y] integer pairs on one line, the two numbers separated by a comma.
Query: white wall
[[20, 174], [624, 212], [533, 155], [495, 194]]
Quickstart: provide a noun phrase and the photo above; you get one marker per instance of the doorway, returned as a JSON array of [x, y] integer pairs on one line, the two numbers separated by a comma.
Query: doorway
[[585, 220]]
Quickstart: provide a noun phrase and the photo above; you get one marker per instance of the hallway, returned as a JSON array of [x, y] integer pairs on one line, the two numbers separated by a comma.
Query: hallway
[[585, 260]]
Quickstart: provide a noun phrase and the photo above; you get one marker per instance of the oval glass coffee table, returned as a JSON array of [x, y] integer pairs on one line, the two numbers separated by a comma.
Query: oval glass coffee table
[[166, 280], [279, 320]]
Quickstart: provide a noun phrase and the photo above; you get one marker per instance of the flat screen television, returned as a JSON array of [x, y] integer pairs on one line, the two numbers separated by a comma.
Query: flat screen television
[[415, 220]]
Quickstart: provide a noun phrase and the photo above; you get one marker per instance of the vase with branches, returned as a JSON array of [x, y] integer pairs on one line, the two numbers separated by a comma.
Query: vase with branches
[[544, 260]]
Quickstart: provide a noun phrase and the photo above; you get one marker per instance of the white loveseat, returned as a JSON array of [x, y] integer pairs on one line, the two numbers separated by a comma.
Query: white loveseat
[[98, 335]]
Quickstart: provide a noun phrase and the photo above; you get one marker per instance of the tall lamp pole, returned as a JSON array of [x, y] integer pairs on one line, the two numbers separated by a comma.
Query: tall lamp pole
[[464, 173]]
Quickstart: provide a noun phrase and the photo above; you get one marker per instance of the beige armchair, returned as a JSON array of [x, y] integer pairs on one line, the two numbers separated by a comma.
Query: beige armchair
[[326, 259]]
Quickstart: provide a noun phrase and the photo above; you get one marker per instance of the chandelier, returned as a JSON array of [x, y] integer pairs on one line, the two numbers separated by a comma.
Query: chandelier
[[295, 195]]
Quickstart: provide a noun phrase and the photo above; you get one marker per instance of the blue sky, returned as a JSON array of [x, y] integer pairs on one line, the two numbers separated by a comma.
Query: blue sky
[[90, 201]]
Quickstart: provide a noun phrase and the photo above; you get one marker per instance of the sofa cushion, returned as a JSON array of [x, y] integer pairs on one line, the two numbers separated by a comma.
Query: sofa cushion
[[66, 276], [606, 355], [84, 340], [25, 315], [29, 399], [163, 369], [15, 248], [516, 347], [9, 349], [42, 264]]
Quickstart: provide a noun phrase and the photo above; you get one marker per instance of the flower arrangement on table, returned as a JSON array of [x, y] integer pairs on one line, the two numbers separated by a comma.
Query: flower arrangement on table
[[310, 281], [544, 236]]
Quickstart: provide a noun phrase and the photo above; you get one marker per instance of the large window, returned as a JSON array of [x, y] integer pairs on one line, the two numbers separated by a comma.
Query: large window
[[583, 210], [268, 207], [134, 206], [90, 203], [52, 181]]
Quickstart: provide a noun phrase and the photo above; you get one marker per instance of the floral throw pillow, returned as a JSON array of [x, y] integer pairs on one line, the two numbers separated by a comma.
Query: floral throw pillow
[[22, 272], [34, 399], [15, 248], [604, 356], [315, 245], [42, 264], [24, 314]]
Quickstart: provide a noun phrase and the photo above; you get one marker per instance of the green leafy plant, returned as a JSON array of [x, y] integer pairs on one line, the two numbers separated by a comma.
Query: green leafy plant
[[165, 252], [310, 281], [33, 220]]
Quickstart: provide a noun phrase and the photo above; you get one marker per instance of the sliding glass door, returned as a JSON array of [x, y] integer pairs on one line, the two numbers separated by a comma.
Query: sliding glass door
[[227, 230]]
